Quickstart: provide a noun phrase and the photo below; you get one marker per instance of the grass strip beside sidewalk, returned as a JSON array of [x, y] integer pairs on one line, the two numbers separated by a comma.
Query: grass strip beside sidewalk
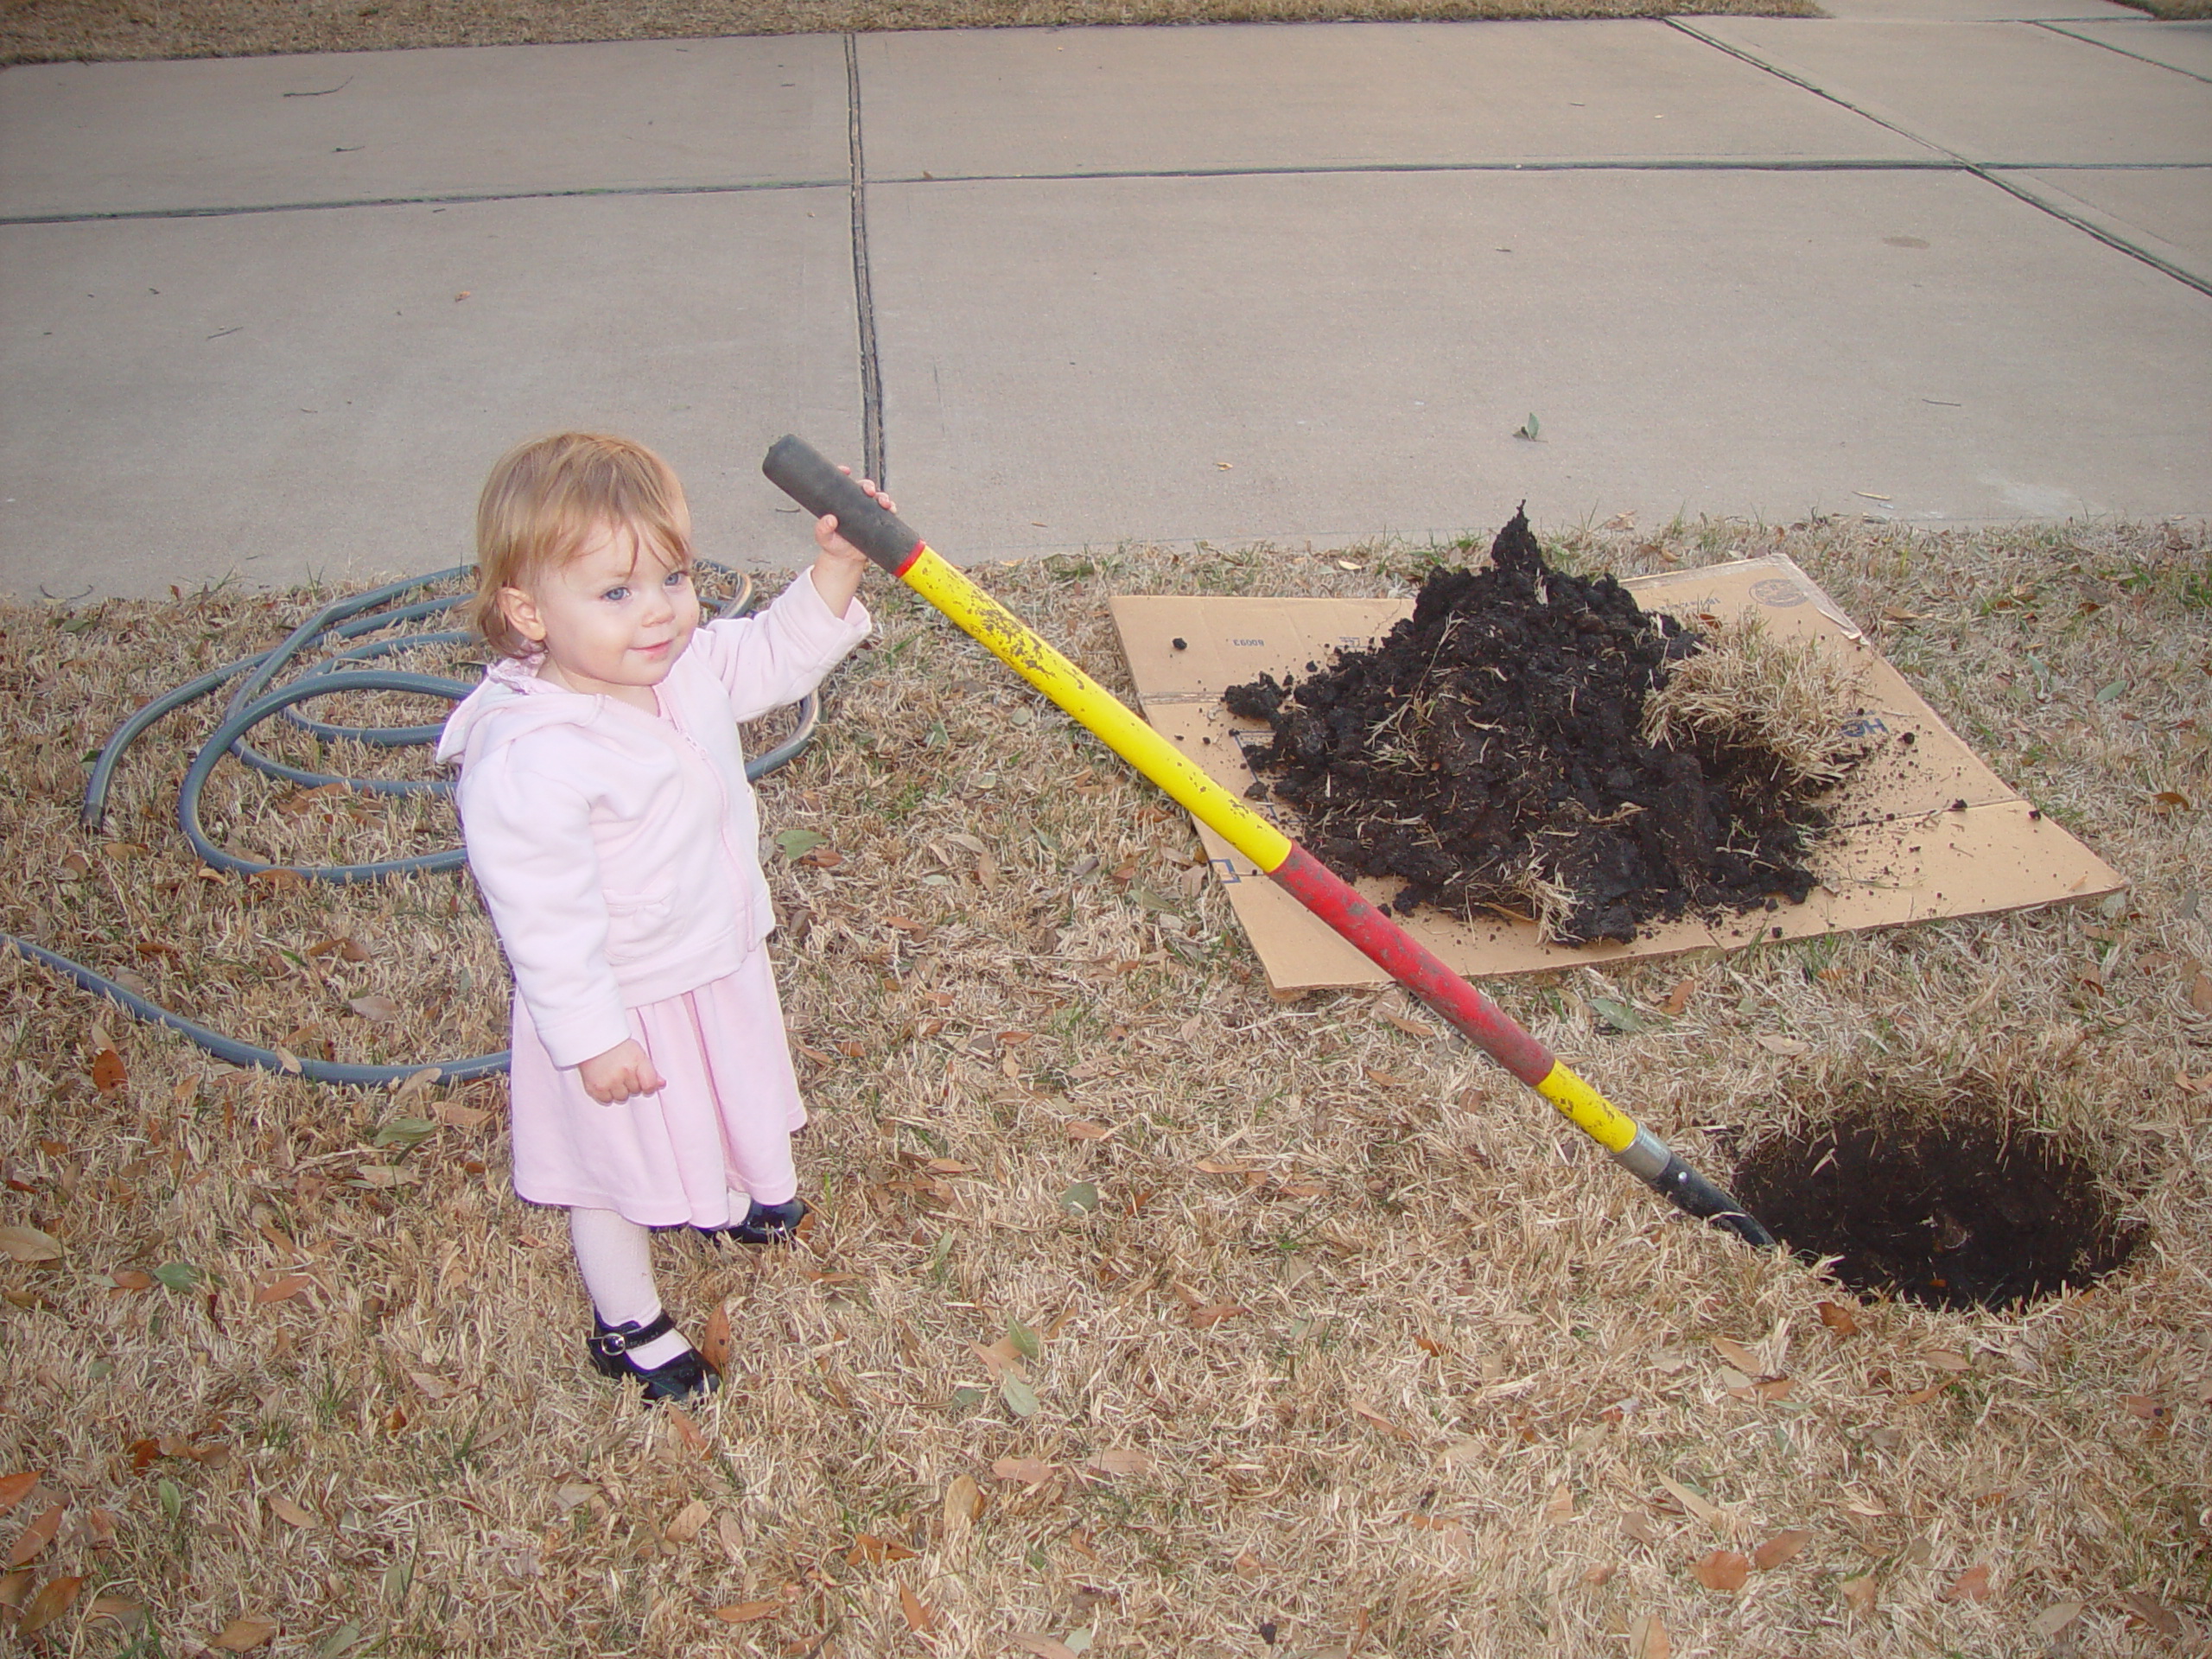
[[50, 31]]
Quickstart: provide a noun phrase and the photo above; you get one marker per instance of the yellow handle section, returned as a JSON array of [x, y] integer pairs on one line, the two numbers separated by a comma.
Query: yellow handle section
[[1587, 1110], [1009, 638]]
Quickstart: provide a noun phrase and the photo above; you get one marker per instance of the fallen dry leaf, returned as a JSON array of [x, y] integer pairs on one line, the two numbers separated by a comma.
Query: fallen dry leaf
[[1784, 1045], [1647, 1638], [1783, 1547], [1838, 1318], [48, 1604], [2152, 1612], [1030, 1471], [2056, 1618], [1121, 1460], [36, 1536], [375, 1008], [1213, 1313], [1724, 1569], [290, 1513], [121, 1608], [919, 1615], [1973, 1585], [1560, 1506], [1945, 1359], [1042, 1646], [1736, 1354], [282, 1290], [243, 1634], [1679, 998], [1858, 1594], [689, 1522], [28, 1244], [1711, 1514], [868, 1550], [717, 1345], [963, 1504], [1368, 1412], [746, 1612], [2200, 993], [1084, 1129], [14, 1488], [108, 1074]]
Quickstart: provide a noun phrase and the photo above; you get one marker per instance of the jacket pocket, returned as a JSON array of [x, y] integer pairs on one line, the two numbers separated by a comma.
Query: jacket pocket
[[637, 925]]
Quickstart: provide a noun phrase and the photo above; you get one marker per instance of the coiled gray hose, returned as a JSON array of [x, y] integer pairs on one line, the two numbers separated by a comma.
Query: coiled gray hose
[[250, 703]]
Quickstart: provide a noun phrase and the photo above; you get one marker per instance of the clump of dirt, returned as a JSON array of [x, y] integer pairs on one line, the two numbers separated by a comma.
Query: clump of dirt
[[1956, 1209], [1492, 752]]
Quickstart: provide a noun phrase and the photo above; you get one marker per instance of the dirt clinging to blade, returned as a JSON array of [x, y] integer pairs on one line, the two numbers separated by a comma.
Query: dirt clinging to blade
[[1488, 754]]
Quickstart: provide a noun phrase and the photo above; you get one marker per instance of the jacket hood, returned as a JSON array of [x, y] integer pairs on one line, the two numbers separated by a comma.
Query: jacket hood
[[511, 700]]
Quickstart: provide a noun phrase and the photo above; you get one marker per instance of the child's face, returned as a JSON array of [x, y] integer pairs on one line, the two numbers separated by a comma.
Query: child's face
[[612, 621]]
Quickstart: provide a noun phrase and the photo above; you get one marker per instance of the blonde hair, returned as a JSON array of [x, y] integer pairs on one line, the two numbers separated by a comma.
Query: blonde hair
[[543, 500]]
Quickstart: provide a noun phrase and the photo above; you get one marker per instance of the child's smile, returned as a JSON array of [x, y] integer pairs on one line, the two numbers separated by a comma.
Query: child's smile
[[612, 621]]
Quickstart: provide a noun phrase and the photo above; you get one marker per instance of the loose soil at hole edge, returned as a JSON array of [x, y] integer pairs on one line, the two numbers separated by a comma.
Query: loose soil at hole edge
[[1952, 1205], [1487, 753]]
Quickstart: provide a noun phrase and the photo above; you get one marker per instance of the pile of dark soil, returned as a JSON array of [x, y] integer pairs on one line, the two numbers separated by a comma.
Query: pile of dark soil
[[1950, 1209], [1487, 754]]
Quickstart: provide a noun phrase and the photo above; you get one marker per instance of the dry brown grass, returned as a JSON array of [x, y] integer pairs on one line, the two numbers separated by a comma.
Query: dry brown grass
[[46, 31], [1358, 1347], [1748, 687]]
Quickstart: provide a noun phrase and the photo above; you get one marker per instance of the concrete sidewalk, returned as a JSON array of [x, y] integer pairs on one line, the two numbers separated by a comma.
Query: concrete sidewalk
[[1938, 260]]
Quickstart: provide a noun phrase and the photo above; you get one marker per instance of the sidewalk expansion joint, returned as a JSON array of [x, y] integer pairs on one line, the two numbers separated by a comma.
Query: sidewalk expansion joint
[[455, 198], [874, 463], [2092, 40], [1982, 170]]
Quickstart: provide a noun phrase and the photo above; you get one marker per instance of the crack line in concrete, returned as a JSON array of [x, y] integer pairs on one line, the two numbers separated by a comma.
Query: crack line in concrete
[[466, 198], [2091, 40], [1938, 163], [2118, 244], [871, 456]]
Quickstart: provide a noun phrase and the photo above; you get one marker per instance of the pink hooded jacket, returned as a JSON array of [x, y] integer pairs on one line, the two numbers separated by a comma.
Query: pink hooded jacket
[[619, 853]]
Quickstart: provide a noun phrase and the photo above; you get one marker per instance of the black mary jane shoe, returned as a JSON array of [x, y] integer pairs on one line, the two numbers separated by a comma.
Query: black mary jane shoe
[[764, 1224], [680, 1378]]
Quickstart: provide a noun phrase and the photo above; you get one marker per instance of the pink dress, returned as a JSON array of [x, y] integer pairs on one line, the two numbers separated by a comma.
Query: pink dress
[[724, 1122]]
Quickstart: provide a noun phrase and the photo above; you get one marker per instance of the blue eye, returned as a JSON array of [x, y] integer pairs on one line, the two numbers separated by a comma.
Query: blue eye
[[616, 594], [678, 578]]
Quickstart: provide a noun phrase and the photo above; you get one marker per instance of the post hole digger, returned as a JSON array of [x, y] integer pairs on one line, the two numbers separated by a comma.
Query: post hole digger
[[819, 486]]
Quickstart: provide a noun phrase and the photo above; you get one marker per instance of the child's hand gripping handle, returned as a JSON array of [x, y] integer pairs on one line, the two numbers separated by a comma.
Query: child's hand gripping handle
[[802, 473]]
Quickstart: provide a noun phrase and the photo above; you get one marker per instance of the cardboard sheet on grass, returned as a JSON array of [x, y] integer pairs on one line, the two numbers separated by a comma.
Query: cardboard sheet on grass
[[1903, 848]]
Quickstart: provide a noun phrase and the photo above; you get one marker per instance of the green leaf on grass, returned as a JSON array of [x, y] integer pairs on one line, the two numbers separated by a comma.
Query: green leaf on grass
[[966, 1399], [404, 1132], [1027, 1343], [2111, 693], [1080, 1199], [798, 843], [1618, 1014], [178, 1275], [1020, 1399]]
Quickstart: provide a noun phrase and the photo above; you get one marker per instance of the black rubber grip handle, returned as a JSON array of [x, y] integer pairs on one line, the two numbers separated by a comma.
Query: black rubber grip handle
[[806, 474], [1691, 1192]]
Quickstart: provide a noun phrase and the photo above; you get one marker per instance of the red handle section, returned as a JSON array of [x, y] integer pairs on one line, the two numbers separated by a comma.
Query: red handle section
[[1414, 965]]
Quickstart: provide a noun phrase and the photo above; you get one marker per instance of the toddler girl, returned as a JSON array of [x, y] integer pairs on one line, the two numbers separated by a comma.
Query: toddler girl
[[610, 825]]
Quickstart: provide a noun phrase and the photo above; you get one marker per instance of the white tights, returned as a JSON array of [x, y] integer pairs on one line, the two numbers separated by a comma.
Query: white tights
[[615, 1257]]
